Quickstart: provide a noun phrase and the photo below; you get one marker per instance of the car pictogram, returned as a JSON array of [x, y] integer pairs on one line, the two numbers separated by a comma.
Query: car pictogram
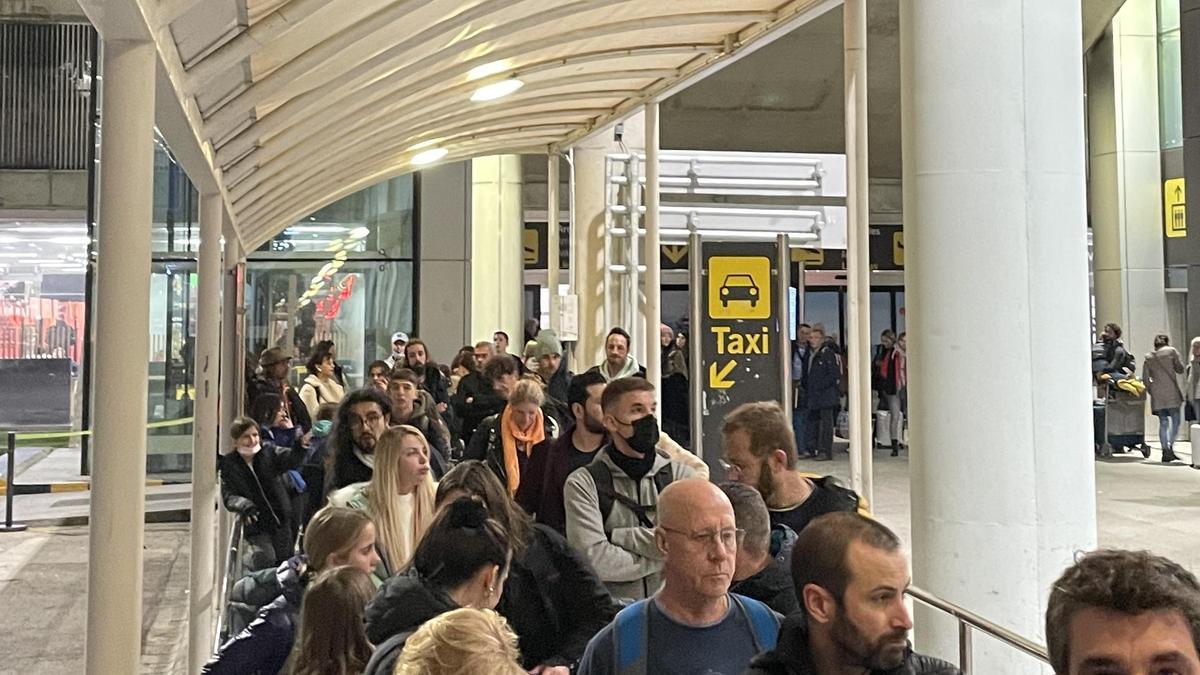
[[739, 287]]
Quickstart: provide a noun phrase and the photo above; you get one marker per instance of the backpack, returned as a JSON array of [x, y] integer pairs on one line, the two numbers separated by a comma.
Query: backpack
[[632, 626], [602, 475]]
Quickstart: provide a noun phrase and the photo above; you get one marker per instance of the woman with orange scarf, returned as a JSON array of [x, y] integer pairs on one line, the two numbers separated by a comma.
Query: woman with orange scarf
[[505, 441]]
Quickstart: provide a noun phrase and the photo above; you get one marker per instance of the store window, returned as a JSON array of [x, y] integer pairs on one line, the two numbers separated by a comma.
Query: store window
[[1170, 86]]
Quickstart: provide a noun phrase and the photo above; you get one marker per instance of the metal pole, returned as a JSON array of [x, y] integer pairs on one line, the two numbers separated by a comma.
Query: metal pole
[[632, 314], [118, 494], [783, 284], [552, 244], [653, 285], [201, 599], [89, 277], [964, 647], [696, 365], [858, 256], [9, 488]]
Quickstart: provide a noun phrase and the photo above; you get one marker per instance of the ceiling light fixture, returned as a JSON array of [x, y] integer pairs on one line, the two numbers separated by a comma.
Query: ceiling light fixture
[[429, 156], [358, 233], [491, 92], [493, 68]]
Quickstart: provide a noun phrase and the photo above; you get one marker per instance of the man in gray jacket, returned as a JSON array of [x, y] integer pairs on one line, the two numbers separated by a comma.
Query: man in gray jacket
[[611, 504]]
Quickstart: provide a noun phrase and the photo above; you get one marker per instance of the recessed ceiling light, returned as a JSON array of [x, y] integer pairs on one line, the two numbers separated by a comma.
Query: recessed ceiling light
[[493, 68], [491, 92], [429, 156], [358, 233], [423, 144]]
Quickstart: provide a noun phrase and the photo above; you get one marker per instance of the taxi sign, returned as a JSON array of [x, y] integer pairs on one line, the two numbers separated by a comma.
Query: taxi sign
[[739, 287]]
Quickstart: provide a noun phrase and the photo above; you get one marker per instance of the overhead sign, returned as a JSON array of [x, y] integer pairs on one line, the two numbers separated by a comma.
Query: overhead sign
[[674, 257], [535, 242], [739, 332], [1175, 208]]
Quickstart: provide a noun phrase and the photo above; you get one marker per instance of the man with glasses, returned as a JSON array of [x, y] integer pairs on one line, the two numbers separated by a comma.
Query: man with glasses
[[362, 418], [694, 624]]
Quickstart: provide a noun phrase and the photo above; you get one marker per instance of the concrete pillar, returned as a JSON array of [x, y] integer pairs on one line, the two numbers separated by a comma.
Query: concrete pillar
[[118, 495], [497, 262], [1126, 178], [552, 243], [232, 348], [1189, 48], [202, 593], [589, 236], [445, 310], [1003, 490], [858, 257], [650, 254]]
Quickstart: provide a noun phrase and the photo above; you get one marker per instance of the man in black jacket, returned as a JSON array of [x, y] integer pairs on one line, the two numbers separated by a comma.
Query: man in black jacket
[[475, 399], [850, 575], [362, 418], [416, 359], [756, 574], [275, 364], [823, 395]]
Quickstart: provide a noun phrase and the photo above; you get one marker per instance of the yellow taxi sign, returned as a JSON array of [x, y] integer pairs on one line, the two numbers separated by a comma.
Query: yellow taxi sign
[[531, 243], [898, 248], [739, 287], [808, 256], [1175, 208]]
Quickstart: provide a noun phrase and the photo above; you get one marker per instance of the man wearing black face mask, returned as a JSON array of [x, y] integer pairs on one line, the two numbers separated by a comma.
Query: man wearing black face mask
[[611, 503]]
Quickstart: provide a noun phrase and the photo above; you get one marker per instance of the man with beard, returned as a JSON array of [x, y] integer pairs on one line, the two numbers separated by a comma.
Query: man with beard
[[476, 399], [416, 359], [611, 504], [760, 451], [552, 460], [694, 624], [362, 418], [850, 576], [759, 572]]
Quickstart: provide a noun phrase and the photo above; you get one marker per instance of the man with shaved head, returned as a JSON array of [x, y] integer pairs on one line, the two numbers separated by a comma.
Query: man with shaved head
[[693, 624]]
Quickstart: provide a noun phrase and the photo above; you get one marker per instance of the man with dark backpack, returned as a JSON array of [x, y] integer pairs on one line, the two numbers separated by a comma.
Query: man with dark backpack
[[611, 504], [694, 624]]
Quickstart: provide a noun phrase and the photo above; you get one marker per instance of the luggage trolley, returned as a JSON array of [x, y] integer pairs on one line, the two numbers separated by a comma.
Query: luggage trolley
[[1120, 422]]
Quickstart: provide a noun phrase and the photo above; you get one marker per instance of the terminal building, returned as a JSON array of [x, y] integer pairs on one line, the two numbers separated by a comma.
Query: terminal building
[[185, 184]]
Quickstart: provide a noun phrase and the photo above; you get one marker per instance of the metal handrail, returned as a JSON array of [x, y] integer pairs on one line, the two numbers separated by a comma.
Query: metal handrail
[[968, 621], [232, 574]]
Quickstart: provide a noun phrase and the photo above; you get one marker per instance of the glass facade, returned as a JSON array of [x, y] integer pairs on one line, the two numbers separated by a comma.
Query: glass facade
[[1170, 86]]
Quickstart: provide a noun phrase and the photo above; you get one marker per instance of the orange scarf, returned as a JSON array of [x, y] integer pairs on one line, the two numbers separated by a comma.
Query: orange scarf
[[510, 437]]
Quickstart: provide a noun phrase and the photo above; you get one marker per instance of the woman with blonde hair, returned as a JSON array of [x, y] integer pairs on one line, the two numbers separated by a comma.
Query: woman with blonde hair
[[467, 641], [398, 498], [333, 639], [505, 441]]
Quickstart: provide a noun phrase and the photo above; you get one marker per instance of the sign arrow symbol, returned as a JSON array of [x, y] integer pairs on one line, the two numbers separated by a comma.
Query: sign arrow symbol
[[716, 378]]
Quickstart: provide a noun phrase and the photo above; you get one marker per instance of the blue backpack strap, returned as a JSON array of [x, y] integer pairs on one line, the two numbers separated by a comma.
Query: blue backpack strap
[[630, 635], [764, 624]]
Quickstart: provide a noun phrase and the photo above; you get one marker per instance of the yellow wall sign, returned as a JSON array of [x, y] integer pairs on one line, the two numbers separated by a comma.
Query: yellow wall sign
[[1175, 208], [739, 287], [809, 257], [898, 248], [531, 243]]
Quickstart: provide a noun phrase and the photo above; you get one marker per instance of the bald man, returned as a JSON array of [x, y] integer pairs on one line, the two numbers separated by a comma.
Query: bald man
[[693, 624]]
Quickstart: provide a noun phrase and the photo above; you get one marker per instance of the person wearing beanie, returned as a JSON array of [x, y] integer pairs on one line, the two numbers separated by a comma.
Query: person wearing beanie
[[551, 366]]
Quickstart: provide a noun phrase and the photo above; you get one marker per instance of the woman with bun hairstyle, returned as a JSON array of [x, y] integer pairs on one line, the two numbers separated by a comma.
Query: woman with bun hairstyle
[[552, 599], [462, 642], [462, 561], [399, 496], [332, 640], [335, 536]]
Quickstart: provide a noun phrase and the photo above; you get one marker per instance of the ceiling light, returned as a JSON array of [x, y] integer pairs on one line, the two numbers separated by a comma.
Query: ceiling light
[[429, 156], [46, 229], [70, 239], [358, 233], [491, 92], [320, 229], [423, 144], [493, 68]]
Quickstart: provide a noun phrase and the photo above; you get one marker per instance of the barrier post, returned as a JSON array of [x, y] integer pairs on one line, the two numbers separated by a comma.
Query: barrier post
[[9, 489]]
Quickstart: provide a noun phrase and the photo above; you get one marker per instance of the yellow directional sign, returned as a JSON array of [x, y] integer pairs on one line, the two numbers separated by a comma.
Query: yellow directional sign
[[739, 287], [675, 253], [529, 238], [898, 248], [1174, 201], [718, 377], [811, 258]]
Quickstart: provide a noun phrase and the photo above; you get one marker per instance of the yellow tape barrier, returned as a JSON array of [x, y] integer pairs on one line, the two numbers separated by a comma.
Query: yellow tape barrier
[[47, 435]]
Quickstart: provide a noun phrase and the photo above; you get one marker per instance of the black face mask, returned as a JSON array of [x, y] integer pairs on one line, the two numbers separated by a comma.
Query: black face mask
[[645, 435]]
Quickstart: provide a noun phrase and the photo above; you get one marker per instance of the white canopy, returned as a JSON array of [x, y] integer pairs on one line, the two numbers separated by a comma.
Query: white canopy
[[296, 103]]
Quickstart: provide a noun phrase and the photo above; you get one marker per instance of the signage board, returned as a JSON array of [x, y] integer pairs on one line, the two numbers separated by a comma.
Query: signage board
[[739, 335]]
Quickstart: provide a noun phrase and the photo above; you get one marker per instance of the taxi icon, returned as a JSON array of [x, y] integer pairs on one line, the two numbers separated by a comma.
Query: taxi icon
[[739, 287]]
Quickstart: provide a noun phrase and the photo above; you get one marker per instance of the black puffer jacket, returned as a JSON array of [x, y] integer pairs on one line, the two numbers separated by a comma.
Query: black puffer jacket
[[772, 586], [259, 490], [791, 656], [404, 603], [258, 589], [262, 647]]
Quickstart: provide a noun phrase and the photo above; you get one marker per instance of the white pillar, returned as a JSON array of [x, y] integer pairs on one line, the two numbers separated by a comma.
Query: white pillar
[[653, 282], [858, 258], [202, 595], [232, 357], [497, 263], [997, 291], [552, 244], [118, 495]]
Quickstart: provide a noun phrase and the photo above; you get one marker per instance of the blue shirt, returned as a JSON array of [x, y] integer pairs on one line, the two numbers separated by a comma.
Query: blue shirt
[[722, 648]]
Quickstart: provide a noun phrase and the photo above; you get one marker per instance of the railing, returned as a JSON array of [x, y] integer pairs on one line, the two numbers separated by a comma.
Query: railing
[[233, 572], [968, 622]]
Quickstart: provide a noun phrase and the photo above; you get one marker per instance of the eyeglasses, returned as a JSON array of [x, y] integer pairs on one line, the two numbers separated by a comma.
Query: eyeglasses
[[730, 538], [371, 419]]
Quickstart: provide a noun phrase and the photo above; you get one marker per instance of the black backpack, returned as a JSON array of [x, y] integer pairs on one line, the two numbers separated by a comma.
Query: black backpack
[[602, 475]]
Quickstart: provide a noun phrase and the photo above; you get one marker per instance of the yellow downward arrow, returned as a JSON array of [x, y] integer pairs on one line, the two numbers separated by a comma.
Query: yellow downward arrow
[[716, 378]]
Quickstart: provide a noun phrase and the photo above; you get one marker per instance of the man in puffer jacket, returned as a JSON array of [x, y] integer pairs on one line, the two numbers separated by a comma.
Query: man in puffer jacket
[[850, 575]]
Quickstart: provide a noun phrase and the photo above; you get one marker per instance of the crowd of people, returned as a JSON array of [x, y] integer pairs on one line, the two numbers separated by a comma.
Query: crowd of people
[[504, 515]]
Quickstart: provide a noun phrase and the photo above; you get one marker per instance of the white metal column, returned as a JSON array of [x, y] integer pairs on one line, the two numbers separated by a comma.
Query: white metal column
[[1002, 471], [202, 593], [122, 354], [653, 283], [858, 261], [552, 243]]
